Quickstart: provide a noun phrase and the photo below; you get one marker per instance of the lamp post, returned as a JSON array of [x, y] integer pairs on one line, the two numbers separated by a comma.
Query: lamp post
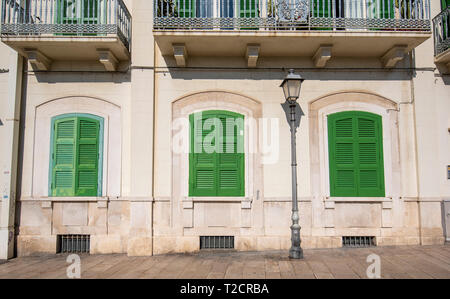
[[291, 87]]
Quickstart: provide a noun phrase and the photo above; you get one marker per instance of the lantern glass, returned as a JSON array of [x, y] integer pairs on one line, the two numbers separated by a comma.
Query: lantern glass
[[291, 86]]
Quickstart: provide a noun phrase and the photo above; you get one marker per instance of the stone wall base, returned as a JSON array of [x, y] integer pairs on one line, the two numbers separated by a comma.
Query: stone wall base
[[162, 245], [140, 246], [108, 244], [432, 236], [147, 246], [36, 245]]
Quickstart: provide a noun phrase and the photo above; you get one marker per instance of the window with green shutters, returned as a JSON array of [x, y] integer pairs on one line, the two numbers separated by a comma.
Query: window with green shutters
[[381, 9], [355, 144], [445, 4], [321, 9], [216, 159], [249, 8], [186, 8], [76, 155]]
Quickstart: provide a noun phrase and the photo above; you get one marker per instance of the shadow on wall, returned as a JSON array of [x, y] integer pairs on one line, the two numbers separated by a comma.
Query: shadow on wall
[[23, 109], [298, 113], [445, 78], [445, 204], [80, 72], [82, 77], [275, 68], [278, 74]]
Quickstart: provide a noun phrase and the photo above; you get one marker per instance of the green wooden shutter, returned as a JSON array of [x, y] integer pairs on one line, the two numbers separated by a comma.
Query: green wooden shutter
[[387, 9], [66, 12], [321, 9], [248, 8], [92, 11], [230, 161], [370, 155], [342, 155], [80, 12], [76, 156], [445, 4], [381, 9], [217, 172], [63, 158], [355, 154], [202, 171], [186, 8], [87, 157]]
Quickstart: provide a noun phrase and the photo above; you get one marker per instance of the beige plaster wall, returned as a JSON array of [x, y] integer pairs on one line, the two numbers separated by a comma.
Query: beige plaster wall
[[148, 214]]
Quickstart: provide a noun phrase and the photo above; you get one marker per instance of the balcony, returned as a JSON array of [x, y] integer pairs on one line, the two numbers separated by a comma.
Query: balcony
[[441, 25], [67, 30], [352, 28]]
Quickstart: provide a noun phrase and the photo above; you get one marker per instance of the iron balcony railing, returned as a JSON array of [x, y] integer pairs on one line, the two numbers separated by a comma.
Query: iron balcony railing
[[441, 25], [66, 18], [391, 15]]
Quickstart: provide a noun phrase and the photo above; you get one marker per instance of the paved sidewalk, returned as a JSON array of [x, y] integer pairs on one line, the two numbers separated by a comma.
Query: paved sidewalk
[[396, 262]]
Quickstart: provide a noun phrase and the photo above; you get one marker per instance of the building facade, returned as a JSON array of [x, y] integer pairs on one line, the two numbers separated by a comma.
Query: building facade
[[155, 126]]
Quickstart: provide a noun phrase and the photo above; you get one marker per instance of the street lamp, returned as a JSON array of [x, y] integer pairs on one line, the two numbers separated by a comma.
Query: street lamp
[[291, 87]]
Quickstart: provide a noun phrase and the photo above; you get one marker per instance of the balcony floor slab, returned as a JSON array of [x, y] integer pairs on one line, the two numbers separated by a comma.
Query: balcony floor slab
[[73, 48], [361, 43]]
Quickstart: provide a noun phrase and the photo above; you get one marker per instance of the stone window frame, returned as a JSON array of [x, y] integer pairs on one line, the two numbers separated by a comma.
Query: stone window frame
[[112, 154], [320, 108], [216, 100]]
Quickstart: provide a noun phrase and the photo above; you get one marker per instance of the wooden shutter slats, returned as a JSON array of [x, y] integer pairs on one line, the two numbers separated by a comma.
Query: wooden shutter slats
[[65, 129], [368, 178], [87, 154], [63, 179], [228, 178], [345, 178], [63, 164], [344, 153], [87, 157], [64, 154]]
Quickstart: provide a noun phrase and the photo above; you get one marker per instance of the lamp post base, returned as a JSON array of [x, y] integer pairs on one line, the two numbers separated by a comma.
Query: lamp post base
[[295, 253]]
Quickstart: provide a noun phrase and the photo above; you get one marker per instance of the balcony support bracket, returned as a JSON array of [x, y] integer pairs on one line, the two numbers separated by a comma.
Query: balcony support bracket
[[394, 55], [38, 60], [442, 61], [108, 59], [180, 54], [323, 54], [252, 54]]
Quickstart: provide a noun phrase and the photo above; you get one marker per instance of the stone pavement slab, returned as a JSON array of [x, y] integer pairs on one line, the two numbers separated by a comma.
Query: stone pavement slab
[[403, 262]]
